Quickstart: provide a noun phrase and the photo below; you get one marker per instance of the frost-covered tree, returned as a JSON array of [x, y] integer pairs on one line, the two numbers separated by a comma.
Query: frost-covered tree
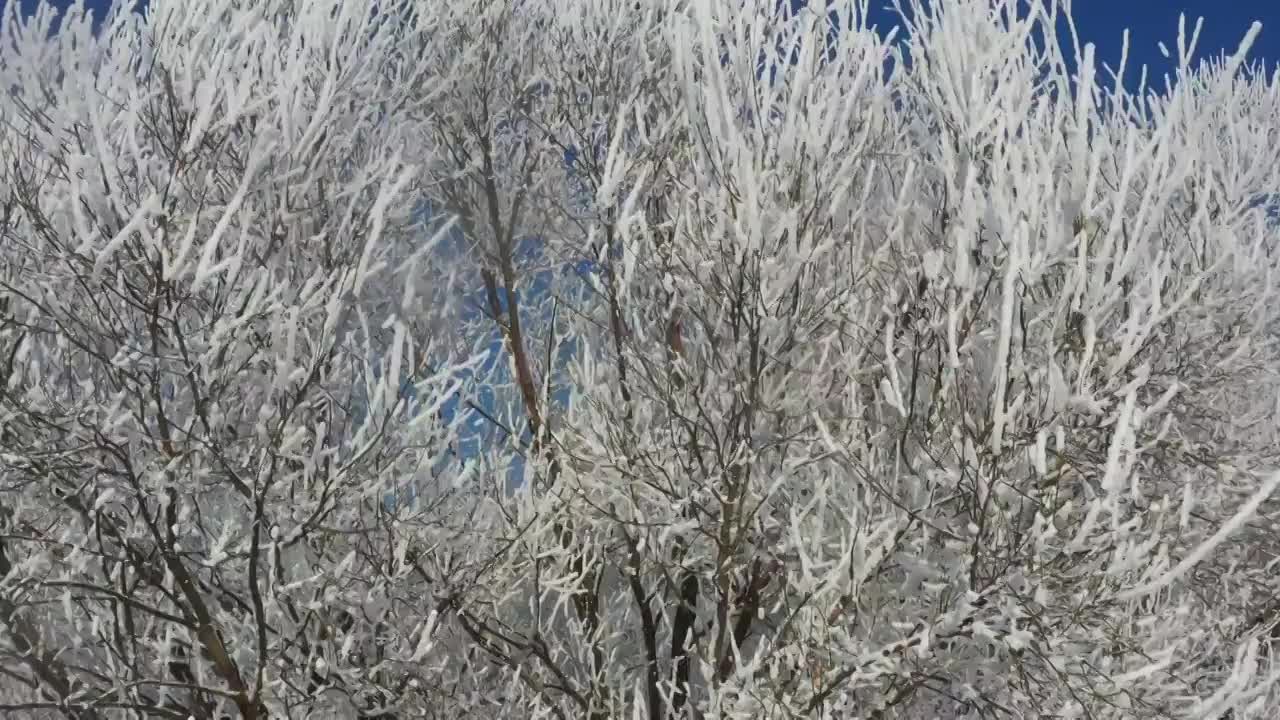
[[216, 301], [616, 359]]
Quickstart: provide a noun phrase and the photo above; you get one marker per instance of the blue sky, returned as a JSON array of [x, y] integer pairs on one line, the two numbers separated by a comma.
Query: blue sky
[[1150, 21], [1102, 22]]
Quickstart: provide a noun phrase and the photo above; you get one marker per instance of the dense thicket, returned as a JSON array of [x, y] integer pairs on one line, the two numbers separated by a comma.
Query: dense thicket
[[616, 359]]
